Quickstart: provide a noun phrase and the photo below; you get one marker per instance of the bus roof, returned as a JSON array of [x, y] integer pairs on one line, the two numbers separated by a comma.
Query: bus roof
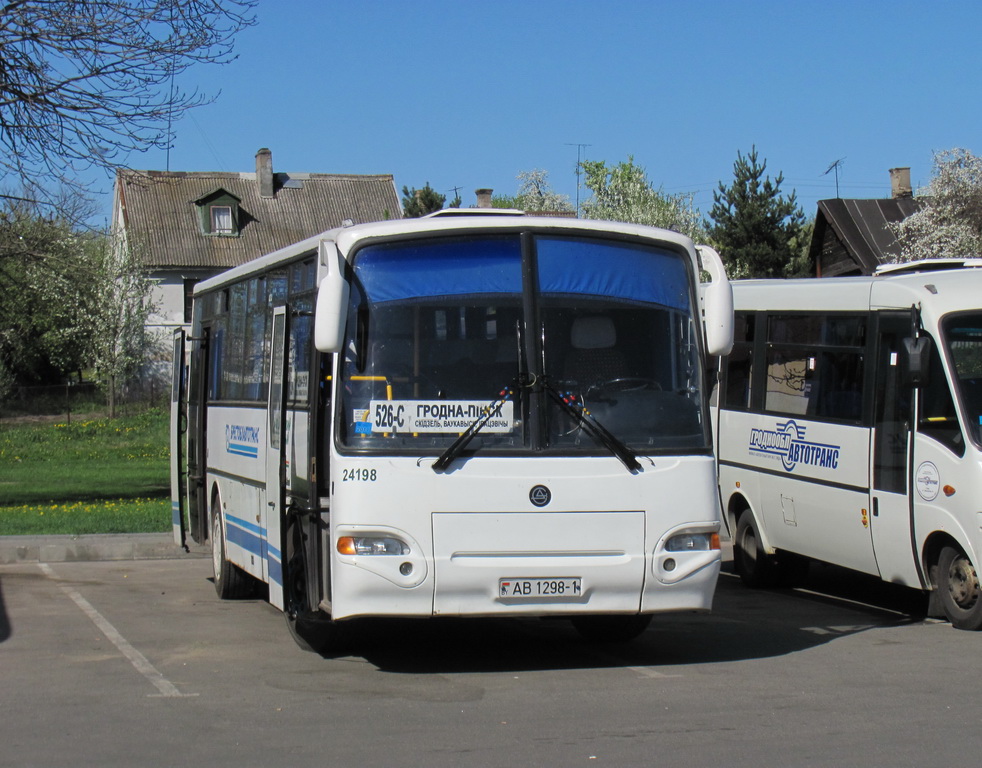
[[946, 290], [927, 265], [347, 238]]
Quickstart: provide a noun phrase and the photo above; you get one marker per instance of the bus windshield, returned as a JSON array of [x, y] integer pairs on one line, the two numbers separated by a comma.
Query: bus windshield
[[963, 336], [448, 331]]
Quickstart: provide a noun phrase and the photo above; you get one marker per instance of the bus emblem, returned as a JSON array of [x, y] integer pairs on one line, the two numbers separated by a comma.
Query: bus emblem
[[540, 495], [927, 480]]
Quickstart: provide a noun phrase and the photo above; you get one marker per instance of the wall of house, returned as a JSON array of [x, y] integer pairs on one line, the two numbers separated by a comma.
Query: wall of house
[[168, 298]]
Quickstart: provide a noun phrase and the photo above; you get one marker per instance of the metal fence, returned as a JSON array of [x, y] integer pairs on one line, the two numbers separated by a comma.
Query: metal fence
[[64, 401]]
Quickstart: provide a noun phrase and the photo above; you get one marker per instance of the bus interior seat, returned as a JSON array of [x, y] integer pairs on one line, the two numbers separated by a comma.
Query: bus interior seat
[[593, 356]]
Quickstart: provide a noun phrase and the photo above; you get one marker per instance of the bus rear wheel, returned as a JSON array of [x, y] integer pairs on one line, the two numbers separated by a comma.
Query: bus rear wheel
[[231, 582], [958, 587]]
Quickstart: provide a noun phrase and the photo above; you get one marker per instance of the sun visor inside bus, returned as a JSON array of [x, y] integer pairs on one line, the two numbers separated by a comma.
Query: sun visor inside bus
[[451, 268], [643, 274], [493, 266]]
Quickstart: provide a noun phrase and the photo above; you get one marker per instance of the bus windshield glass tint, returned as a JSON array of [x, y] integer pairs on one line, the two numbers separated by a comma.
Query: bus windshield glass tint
[[445, 331]]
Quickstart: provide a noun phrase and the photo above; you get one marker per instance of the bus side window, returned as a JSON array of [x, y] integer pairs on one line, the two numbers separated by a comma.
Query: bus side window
[[937, 417]]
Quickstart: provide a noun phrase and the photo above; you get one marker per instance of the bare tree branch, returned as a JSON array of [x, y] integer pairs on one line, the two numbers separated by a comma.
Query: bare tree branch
[[85, 82]]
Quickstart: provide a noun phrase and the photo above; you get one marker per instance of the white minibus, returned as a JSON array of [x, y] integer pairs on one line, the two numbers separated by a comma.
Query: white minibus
[[848, 426]]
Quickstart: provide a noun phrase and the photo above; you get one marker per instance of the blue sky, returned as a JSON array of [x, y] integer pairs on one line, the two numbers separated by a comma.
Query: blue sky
[[468, 94]]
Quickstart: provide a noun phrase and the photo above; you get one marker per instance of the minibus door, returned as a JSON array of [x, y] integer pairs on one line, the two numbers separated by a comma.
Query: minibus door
[[890, 514], [275, 475]]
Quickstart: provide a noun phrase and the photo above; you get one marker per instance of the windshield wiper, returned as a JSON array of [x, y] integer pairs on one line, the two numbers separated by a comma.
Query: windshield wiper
[[585, 419], [492, 409]]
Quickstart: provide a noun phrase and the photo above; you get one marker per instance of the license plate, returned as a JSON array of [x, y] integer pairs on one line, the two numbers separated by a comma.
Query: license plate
[[550, 589]]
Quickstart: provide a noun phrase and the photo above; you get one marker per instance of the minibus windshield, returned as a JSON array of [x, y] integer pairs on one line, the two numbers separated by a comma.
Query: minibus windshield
[[963, 337]]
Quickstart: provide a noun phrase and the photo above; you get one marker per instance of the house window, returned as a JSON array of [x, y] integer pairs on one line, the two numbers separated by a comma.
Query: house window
[[219, 213], [221, 220]]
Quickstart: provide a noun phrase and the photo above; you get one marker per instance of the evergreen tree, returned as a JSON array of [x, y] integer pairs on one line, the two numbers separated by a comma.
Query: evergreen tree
[[420, 202], [759, 231]]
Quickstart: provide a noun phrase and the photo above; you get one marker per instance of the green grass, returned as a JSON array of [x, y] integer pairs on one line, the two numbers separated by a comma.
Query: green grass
[[97, 516], [89, 476]]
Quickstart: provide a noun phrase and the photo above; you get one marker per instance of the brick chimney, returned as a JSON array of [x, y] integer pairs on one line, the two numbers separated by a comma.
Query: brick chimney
[[483, 197], [900, 183], [264, 172]]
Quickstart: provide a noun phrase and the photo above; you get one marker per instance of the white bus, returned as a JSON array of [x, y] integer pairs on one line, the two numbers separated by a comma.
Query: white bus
[[849, 429], [459, 415]]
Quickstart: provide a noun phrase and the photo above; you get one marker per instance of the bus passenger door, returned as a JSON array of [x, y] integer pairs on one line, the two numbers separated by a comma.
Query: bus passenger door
[[178, 432], [890, 505], [275, 476], [199, 382]]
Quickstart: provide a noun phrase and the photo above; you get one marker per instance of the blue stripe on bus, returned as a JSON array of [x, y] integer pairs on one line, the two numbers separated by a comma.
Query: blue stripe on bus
[[251, 527], [243, 538], [252, 538], [275, 571], [239, 449]]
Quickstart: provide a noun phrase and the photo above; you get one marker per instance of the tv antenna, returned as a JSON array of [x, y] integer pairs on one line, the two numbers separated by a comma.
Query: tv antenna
[[835, 167], [579, 148]]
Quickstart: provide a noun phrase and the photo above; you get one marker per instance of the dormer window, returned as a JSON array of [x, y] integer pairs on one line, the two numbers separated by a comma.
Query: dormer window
[[221, 220], [219, 213]]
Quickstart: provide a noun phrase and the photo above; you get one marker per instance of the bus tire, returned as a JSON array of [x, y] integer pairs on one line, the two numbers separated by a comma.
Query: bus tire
[[754, 566], [231, 582], [611, 629], [316, 632], [311, 628], [958, 587]]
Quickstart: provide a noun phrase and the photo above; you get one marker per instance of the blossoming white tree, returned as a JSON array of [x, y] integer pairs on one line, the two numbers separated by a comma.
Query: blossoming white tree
[[949, 222], [623, 193]]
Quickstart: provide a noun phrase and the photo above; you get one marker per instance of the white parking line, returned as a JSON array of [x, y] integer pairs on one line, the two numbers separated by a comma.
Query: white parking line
[[137, 659]]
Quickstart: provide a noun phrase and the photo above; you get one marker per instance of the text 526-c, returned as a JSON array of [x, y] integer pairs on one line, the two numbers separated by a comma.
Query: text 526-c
[[359, 475]]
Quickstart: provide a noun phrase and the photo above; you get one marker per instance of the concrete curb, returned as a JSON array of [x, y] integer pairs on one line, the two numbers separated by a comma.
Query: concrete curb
[[121, 546]]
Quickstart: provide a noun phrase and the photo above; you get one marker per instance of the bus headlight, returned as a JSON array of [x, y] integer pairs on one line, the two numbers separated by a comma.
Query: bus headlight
[[372, 545], [692, 542]]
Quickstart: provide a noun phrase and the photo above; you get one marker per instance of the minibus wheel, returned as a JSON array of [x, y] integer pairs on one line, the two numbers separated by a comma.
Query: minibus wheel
[[754, 566], [958, 587], [231, 582]]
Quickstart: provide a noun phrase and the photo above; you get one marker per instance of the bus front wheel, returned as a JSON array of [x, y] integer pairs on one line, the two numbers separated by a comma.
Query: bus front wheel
[[311, 628], [958, 585]]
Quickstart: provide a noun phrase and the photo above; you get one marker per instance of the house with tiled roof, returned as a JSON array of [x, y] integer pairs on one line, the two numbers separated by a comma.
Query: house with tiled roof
[[853, 237], [188, 226]]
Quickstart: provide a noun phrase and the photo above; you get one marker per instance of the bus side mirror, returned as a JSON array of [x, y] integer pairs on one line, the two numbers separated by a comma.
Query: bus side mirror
[[916, 359], [332, 301], [717, 304]]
